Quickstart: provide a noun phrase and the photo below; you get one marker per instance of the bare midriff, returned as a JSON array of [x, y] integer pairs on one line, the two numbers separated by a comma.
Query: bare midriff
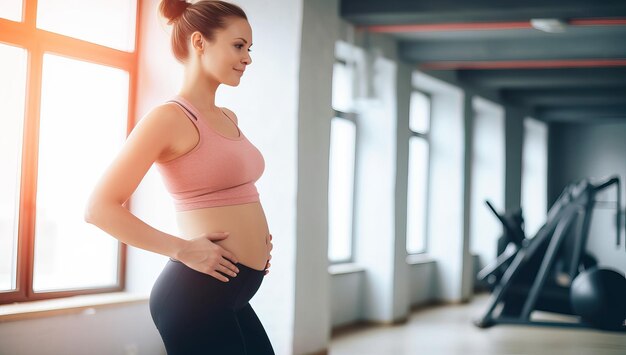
[[246, 223]]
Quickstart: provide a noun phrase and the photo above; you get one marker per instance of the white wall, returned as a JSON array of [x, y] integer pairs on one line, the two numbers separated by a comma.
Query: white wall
[[423, 283], [347, 298], [126, 330], [487, 182]]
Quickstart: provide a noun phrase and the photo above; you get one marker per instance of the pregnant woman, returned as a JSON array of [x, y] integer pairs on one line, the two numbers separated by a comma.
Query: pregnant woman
[[200, 301]]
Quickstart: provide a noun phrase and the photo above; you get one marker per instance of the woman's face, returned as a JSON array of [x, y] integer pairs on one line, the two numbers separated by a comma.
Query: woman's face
[[226, 57]]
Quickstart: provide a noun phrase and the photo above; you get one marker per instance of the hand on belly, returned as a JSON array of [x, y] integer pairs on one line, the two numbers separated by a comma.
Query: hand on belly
[[246, 223], [204, 255], [251, 250]]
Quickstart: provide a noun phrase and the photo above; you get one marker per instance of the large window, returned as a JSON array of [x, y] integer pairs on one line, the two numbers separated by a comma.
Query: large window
[[417, 196], [341, 189], [534, 175], [341, 165], [67, 72], [11, 125]]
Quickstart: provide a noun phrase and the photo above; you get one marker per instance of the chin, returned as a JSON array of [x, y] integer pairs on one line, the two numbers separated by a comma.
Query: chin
[[232, 82]]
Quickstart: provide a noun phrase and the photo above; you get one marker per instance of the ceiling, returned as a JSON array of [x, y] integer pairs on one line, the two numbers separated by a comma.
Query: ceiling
[[578, 75]]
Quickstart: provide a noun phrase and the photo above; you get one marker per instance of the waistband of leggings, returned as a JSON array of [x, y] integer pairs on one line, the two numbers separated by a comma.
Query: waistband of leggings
[[239, 265]]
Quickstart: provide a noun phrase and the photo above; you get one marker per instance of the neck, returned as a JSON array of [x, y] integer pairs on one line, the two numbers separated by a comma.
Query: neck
[[199, 91]]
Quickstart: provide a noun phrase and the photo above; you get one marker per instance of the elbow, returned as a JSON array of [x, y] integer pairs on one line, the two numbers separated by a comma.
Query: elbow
[[98, 211], [90, 214]]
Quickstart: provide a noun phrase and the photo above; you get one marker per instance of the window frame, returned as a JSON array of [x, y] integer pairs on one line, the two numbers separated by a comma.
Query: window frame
[[36, 42], [426, 138]]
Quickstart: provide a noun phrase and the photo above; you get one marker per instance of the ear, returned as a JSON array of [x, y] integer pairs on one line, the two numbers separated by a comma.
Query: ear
[[197, 41]]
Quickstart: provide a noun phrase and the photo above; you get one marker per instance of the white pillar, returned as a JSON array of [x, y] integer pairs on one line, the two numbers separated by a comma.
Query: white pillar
[[312, 321], [446, 236], [375, 194]]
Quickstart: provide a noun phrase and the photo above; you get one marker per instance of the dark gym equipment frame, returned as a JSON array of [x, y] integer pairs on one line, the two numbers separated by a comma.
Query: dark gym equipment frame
[[576, 203]]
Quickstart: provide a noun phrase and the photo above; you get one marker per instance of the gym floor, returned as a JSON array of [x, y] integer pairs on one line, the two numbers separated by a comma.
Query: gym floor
[[447, 330]]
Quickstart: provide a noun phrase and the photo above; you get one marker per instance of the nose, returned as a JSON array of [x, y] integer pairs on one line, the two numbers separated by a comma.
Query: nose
[[247, 60]]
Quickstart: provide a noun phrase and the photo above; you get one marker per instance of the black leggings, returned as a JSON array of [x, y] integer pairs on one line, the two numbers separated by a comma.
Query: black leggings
[[196, 313]]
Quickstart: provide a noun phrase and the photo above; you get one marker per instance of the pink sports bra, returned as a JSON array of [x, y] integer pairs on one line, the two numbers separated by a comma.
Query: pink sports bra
[[218, 171]]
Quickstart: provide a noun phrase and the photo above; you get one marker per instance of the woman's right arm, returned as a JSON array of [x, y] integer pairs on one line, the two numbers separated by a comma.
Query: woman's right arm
[[150, 139]]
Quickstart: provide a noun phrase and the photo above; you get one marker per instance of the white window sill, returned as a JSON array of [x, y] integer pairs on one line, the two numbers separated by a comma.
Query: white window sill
[[415, 259], [345, 268], [86, 304]]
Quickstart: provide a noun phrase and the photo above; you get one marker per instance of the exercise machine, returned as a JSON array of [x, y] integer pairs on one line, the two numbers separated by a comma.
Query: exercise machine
[[536, 274]]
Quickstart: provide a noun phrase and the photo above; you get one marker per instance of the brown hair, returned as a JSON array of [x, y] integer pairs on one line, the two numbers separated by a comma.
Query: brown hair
[[206, 16]]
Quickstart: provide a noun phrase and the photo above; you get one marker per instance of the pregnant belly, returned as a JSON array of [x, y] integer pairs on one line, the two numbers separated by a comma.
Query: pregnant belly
[[247, 226]]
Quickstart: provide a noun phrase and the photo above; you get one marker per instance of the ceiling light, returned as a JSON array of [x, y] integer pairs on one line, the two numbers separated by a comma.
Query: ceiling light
[[549, 25]]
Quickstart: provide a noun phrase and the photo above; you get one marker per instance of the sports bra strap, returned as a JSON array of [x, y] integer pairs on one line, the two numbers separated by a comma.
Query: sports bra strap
[[186, 109], [225, 114]]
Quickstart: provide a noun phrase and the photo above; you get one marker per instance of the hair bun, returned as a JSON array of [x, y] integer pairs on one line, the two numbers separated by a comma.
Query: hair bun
[[172, 9]]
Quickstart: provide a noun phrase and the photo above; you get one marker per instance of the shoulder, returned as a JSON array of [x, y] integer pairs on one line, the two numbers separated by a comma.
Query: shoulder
[[163, 125], [230, 114], [165, 113], [163, 117]]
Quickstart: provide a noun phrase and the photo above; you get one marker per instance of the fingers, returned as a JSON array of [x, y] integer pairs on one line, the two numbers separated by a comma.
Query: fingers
[[228, 270], [225, 265], [230, 256], [229, 267], [271, 246], [224, 270], [267, 268], [219, 276], [217, 236]]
